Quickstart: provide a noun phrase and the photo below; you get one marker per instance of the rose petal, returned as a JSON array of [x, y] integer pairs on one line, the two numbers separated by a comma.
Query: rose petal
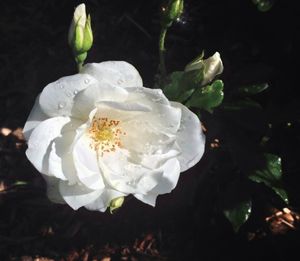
[[57, 98], [162, 119], [118, 73], [156, 160], [166, 183], [146, 96], [190, 138], [213, 67], [86, 100], [35, 117], [86, 164], [40, 143], [77, 196], [119, 173], [61, 158]]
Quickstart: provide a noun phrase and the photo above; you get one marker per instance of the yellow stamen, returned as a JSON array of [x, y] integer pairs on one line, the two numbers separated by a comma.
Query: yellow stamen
[[105, 134]]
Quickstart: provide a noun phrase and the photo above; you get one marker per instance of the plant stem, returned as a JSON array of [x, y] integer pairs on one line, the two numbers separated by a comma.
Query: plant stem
[[162, 65], [79, 66]]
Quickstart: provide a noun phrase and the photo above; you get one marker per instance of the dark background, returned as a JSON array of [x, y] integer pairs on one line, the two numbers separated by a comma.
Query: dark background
[[255, 47]]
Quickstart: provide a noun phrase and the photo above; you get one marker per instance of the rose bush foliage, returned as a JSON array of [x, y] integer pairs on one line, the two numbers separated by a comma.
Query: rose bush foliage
[[99, 135]]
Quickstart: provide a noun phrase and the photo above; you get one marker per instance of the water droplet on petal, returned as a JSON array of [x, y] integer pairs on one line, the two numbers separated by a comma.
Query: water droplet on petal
[[60, 85], [159, 151], [120, 81], [61, 105], [75, 92], [86, 81], [156, 99]]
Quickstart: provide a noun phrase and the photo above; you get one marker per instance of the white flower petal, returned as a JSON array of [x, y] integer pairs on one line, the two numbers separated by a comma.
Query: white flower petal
[[77, 195], [86, 100], [146, 95], [157, 159], [35, 117], [190, 138], [149, 198], [127, 107], [79, 14], [103, 201], [118, 73], [86, 164], [57, 98], [60, 158], [169, 179], [162, 119], [165, 184], [118, 173], [213, 67], [40, 143]]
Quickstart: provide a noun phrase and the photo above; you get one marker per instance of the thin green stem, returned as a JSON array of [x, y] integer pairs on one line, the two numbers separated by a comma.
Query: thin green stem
[[79, 66], [162, 65]]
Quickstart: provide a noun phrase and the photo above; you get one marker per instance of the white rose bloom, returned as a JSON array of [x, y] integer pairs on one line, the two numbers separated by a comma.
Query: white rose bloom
[[99, 135]]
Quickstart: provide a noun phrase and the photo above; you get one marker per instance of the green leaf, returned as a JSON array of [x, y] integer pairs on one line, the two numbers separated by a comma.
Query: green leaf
[[239, 214], [253, 89], [173, 89], [207, 97], [182, 84], [271, 175]]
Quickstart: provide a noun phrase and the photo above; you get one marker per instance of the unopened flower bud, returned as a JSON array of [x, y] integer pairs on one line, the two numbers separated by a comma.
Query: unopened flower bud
[[80, 33], [172, 12], [211, 67], [115, 204]]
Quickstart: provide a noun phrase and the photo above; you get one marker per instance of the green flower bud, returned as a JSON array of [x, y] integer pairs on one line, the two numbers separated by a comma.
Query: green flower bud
[[210, 67], [115, 204], [80, 36], [172, 12]]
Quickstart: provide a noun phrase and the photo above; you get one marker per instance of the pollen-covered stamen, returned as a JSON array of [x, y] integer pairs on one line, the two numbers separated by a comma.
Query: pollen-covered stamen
[[105, 134]]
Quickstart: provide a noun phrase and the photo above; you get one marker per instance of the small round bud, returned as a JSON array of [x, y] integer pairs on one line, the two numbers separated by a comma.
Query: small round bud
[[115, 204]]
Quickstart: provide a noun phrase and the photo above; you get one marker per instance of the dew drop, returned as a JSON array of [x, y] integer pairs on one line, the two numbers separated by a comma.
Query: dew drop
[[60, 85], [86, 81], [61, 105], [75, 92], [120, 81]]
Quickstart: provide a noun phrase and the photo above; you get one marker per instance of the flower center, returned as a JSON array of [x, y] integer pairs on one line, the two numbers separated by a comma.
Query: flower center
[[105, 134]]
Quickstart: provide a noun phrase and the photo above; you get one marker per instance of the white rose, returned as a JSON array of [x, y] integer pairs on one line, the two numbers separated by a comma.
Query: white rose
[[99, 135]]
